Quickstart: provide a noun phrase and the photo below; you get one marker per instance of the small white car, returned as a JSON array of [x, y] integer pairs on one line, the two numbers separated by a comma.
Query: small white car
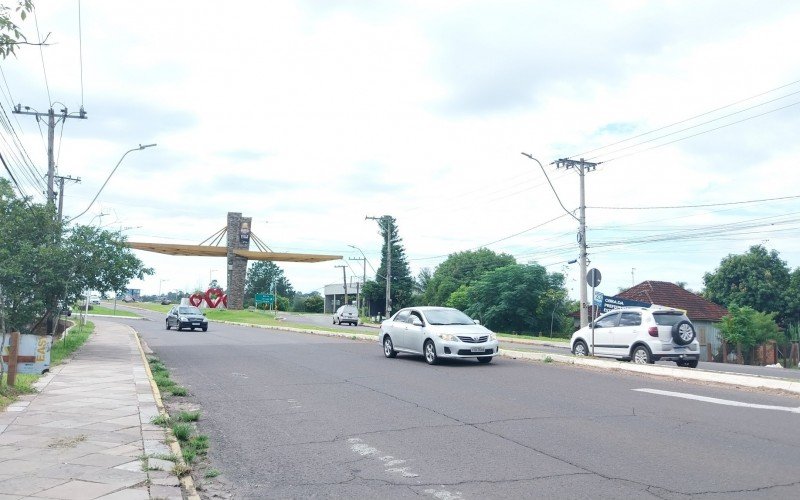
[[346, 314], [642, 335], [437, 332]]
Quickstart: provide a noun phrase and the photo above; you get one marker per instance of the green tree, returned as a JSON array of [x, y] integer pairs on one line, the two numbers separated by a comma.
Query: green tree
[[40, 263], [462, 268], [402, 282], [793, 298], [520, 298], [758, 279], [10, 34], [259, 279], [745, 328]]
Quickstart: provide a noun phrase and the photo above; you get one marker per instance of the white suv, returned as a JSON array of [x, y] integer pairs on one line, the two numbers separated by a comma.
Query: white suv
[[642, 335]]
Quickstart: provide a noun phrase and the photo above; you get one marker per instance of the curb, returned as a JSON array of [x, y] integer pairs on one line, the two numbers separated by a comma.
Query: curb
[[186, 480], [752, 381]]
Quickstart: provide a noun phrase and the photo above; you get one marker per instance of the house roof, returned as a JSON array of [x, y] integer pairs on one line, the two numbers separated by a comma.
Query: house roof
[[669, 294]]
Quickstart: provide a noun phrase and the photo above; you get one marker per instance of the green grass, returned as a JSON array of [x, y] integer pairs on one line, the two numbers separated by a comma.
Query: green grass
[[178, 391], [211, 473], [107, 311], [189, 416], [151, 306], [23, 385], [161, 420], [64, 347], [511, 336], [182, 431]]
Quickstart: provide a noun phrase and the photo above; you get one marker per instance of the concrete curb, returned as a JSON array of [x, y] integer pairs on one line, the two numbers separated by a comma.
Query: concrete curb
[[186, 480], [752, 381]]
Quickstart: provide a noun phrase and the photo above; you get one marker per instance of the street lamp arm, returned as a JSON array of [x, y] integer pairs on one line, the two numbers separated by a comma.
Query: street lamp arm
[[551, 185], [109, 177]]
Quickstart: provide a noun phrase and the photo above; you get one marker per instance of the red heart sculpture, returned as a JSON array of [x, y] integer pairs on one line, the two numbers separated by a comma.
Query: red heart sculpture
[[214, 296], [196, 299]]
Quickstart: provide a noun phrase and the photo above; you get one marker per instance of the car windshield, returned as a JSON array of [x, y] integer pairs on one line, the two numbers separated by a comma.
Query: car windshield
[[447, 317], [189, 310], [668, 318]]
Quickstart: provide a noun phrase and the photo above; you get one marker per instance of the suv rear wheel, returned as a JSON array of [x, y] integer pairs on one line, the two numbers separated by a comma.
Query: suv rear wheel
[[683, 333], [641, 356]]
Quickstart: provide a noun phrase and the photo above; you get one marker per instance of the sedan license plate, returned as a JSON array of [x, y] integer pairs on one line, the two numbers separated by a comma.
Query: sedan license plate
[[477, 349]]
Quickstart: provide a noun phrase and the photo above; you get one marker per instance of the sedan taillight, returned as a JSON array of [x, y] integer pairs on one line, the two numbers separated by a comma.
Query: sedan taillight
[[653, 331]]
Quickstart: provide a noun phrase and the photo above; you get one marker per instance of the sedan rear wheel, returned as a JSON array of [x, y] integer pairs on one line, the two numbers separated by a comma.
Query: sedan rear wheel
[[388, 348], [430, 353]]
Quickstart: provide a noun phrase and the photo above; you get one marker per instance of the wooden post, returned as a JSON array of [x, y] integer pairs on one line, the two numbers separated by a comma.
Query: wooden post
[[13, 351], [724, 351]]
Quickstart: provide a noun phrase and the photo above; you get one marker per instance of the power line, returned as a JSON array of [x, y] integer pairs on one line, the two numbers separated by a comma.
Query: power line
[[698, 125], [41, 52], [687, 119], [704, 132], [700, 205]]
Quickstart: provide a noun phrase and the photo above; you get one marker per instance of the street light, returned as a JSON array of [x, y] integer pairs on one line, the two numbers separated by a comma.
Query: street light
[[109, 177], [159, 286], [363, 276]]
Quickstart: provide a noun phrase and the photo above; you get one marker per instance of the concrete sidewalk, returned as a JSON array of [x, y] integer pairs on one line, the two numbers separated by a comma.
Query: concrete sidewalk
[[87, 433]]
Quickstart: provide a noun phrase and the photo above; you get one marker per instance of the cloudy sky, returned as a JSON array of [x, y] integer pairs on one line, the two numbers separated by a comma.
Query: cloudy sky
[[310, 115]]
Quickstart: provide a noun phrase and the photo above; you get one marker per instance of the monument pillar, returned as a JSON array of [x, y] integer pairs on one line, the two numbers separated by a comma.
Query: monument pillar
[[238, 239]]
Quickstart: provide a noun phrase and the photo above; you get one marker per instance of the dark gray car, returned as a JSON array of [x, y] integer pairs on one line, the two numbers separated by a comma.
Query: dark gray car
[[186, 317]]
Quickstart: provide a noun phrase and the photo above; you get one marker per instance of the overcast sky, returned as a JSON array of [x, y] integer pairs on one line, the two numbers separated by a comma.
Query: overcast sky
[[310, 115]]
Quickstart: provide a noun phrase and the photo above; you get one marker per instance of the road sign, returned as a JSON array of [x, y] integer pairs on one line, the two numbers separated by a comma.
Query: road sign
[[593, 277], [265, 298]]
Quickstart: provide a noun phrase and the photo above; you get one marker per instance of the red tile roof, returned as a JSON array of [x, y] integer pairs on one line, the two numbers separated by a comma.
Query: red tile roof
[[669, 294]]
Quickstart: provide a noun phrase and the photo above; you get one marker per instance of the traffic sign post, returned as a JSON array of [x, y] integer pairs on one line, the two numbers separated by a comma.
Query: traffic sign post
[[593, 278], [264, 298]]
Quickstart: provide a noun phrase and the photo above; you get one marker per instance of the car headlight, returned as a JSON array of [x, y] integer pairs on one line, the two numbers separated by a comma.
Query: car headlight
[[183, 318], [447, 337], [492, 336]]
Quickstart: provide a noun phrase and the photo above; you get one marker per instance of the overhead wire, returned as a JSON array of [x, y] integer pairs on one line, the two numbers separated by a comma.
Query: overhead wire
[[687, 119], [703, 205], [41, 52]]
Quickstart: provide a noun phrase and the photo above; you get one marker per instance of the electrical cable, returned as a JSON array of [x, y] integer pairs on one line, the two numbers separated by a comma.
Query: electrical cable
[[703, 132], [699, 206], [685, 120], [41, 52], [698, 125]]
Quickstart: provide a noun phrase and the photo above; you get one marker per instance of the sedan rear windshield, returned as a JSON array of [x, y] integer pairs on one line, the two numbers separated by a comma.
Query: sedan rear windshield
[[447, 317], [668, 318]]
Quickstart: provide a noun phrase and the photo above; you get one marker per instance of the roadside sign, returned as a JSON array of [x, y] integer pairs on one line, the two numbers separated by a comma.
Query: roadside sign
[[265, 298], [593, 277]]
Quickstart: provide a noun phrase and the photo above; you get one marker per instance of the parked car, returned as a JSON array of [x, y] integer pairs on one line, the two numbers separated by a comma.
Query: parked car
[[94, 299], [642, 335], [186, 317], [437, 332], [165, 301], [346, 314]]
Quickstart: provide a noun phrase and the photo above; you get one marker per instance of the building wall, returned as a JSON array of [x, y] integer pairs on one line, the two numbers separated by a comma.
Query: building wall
[[710, 339]]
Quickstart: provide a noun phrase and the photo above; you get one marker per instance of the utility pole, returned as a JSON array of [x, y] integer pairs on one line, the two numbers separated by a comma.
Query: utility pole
[[582, 167], [344, 281], [51, 133], [61, 180], [363, 280], [388, 228]]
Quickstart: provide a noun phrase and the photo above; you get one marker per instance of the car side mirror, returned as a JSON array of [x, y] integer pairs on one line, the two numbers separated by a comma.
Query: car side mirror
[[416, 321], [476, 321]]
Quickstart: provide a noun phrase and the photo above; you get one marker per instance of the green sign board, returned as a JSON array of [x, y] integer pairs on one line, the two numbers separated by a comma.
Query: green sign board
[[265, 298]]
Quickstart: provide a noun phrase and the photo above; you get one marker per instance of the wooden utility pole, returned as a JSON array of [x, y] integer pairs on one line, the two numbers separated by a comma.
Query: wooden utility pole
[[344, 282], [51, 133]]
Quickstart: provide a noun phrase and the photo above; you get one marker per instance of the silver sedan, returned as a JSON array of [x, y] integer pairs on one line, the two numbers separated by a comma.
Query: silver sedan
[[437, 332]]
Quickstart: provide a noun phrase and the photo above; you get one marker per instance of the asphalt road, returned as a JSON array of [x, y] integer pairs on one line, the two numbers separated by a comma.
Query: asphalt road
[[296, 416]]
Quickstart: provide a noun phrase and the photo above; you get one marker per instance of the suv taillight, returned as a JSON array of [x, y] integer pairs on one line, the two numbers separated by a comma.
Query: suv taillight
[[653, 331]]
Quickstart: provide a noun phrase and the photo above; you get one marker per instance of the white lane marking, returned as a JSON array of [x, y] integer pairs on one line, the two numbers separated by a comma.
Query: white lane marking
[[444, 494], [363, 449], [726, 402]]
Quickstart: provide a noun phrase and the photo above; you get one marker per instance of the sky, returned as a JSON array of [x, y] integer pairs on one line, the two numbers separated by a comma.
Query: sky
[[309, 116]]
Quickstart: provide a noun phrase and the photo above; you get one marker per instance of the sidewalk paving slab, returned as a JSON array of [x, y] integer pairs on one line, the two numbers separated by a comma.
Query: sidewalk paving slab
[[87, 433]]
